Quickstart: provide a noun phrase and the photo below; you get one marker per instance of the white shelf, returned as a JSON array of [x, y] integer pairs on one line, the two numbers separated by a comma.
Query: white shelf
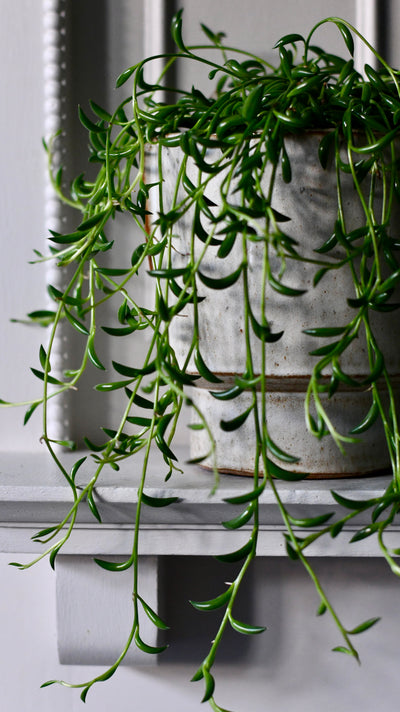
[[33, 495]]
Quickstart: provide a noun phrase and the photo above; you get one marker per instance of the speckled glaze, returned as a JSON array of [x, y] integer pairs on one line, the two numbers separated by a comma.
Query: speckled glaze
[[310, 201]]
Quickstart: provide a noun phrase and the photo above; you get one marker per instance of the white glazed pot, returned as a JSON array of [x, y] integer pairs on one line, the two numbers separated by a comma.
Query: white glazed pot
[[310, 201]]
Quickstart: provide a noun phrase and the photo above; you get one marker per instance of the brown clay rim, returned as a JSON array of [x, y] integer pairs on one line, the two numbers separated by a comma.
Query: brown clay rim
[[313, 476], [289, 383]]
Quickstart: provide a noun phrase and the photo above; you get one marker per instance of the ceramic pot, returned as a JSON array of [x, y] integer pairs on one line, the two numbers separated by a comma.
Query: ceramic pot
[[310, 201]]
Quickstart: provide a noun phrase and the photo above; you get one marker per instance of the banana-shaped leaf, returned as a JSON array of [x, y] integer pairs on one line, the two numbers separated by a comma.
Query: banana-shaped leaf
[[245, 628]]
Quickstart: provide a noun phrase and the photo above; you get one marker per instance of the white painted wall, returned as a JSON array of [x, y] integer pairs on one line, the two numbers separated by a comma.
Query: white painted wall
[[21, 206], [291, 666]]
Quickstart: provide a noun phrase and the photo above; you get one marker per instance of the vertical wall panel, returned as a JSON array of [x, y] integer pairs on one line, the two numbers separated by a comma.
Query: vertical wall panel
[[389, 11], [21, 210]]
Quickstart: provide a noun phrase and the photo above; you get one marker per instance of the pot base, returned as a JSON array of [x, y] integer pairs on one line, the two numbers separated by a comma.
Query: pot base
[[317, 458], [314, 476]]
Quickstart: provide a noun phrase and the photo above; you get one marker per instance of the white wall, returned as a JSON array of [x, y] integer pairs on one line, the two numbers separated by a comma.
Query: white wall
[[291, 665], [21, 207]]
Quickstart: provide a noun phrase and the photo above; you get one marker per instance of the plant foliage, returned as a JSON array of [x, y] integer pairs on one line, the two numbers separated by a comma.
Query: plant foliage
[[236, 133]]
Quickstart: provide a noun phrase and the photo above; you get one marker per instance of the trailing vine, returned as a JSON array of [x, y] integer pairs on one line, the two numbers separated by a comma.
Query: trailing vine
[[236, 135]]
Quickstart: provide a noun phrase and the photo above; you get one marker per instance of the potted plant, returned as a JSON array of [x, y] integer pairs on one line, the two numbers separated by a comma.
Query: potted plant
[[282, 183]]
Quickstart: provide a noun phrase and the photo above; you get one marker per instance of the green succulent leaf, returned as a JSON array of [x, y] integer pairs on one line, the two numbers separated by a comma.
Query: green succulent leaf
[[100, 112], [198, 460], [280, 454], [71, 238], [94, 220], [176, 31], [342, 649], [220, 282], [43, 358], [235, 423], [92, 446], [139, 420], [203, 369], [326, 331], [149, 649], [132, 372], [363, 626], [152, 615], [347, 36], [77, 325], [88, 124], [253, 103], [263, 331], [284, 289], [228, 394], [286, 166], [141, 401], [209, 686], [112, 386], [158, 501], [387, 501], [171, 273], [50, 379], [379, 144], [325, 148], [159, 436], [239, 554], [30, 411], [365, 532], [53, 554], [247, 496], [92, 506], [180, 376], [368, 421], [282, 474], [42, 315], [291, 551], [336, 529], [289, 39], [113, 271], [76, 466], [57, 295], [93, 355], [309, 522], [241, 519], [215, 38], [214, 603], [246, 628], [199, 675], [112, 565], [355, 504], [44, 532]]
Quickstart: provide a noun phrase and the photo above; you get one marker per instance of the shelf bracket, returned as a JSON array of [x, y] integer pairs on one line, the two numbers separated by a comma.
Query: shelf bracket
[[94, 607]]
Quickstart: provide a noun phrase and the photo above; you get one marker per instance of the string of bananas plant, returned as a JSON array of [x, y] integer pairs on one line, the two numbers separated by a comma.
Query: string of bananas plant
[[247, 117]]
